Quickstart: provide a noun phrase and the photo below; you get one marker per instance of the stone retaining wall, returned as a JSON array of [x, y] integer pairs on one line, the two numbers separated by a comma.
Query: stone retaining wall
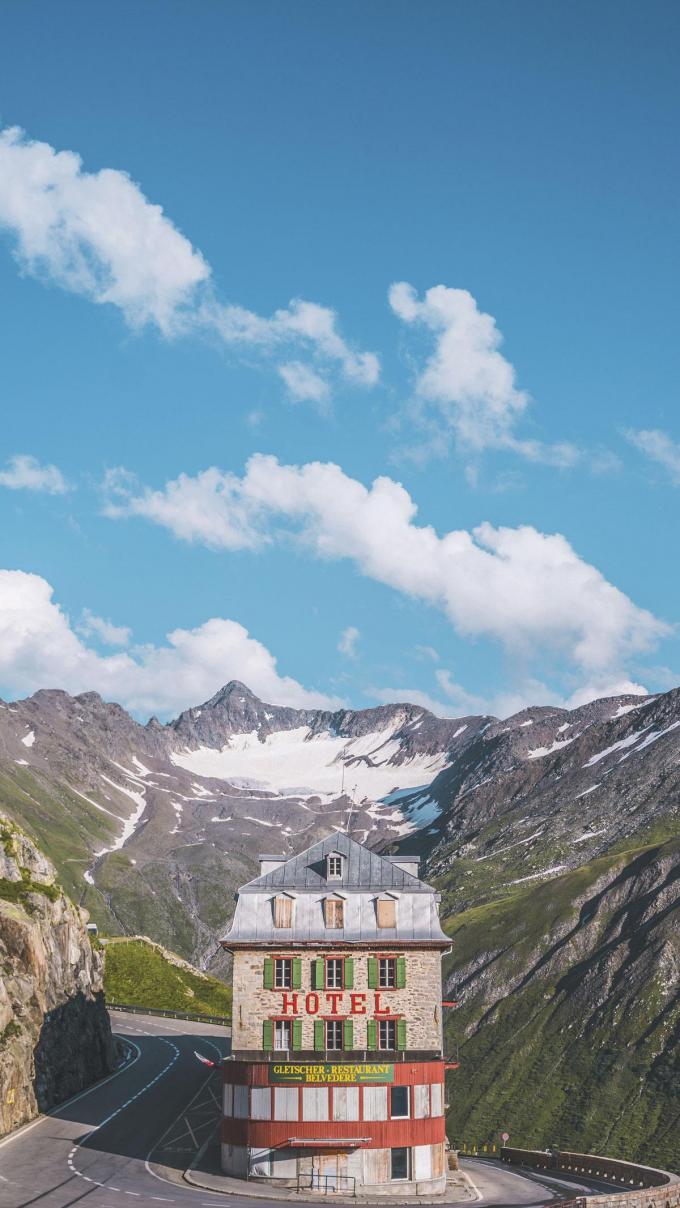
[[640, 1186]]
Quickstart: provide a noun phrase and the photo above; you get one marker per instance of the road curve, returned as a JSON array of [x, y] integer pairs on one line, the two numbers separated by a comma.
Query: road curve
[[95, 1150]]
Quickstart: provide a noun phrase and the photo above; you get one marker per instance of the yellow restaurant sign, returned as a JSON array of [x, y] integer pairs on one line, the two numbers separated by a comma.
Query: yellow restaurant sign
[[307, 1072]]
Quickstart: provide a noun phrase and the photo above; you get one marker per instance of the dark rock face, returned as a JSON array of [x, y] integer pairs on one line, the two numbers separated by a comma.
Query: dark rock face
[[55, 1034]]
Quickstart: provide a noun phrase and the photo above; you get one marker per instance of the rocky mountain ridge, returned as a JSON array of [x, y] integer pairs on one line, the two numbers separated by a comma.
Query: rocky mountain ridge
[[154, 826]]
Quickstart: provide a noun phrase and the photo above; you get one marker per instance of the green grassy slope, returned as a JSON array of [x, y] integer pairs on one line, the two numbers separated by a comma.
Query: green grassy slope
[[142, 974], [569, 1028]]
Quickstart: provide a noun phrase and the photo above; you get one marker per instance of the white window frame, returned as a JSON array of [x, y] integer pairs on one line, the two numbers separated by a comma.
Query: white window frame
[[334, 1026], [407, 1114], [334, 867], [283, 1030], [387, 972], [336, 981], [390, 1026], [401, 1178], [283, 965]]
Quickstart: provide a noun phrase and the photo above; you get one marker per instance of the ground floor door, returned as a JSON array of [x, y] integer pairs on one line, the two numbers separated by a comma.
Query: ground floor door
[[330, 1172]]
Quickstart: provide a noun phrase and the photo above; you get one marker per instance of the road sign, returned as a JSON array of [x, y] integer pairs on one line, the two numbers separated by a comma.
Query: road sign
[[505, 1137]]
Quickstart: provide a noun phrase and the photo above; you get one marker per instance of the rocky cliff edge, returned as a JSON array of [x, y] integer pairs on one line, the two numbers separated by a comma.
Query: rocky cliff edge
[[55, 1033]]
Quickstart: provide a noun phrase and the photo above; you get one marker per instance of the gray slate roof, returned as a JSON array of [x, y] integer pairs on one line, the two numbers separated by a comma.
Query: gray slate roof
[[362, 869]]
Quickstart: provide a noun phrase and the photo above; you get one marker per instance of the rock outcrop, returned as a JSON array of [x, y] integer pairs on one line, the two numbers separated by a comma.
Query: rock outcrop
[[55, 1034]]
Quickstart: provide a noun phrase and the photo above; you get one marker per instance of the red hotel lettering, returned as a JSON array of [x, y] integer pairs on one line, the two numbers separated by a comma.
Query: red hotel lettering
[[357, 1004], [290, 1001], [333, 1000], [312, 1004], [380, 1010]]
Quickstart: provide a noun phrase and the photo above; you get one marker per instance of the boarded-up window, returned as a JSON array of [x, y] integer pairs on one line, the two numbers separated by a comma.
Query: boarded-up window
[[376, 1165], [386, 909], [437, 1099], [285, 1103], [260, 1103], [283, 912], [421, 1101], [375, 1103], [241, 1102], [422, 1164], [315, 1103], [345, 1103], [437, 1160], [334, 912], [228, 1099]]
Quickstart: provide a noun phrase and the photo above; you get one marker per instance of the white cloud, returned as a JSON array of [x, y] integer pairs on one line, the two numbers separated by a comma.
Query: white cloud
[[659, 447], [347, 643], [466, 378], [39, 649], [411, 696], [111, 635], [25, 473], [303, 383], [528, 590], [97, 235]]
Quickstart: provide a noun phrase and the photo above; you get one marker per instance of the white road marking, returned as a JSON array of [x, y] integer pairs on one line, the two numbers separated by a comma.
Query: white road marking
[[122, 1107], [62, 1106]]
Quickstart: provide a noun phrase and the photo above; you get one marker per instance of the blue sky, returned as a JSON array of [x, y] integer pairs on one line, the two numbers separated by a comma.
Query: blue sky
[[521, 157]]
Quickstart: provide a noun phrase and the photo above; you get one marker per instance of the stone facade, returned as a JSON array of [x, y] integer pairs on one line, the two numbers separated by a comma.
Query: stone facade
[[419, 1002]]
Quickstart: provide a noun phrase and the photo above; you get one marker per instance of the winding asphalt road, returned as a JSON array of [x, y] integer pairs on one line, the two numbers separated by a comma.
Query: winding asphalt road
[[130, 1136]]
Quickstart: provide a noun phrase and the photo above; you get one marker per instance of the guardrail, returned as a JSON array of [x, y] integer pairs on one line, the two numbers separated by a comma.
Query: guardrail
[[194, 1016], [640, 1186]]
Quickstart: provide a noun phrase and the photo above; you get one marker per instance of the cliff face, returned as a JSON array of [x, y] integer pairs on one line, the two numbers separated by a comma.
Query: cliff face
[[55, 1034]]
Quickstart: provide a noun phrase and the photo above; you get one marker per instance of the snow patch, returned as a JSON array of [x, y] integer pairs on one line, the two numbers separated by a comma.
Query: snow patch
[[29, 739], [586, 791], [540, 752], [616, 746], [298, 761], [534, 876]]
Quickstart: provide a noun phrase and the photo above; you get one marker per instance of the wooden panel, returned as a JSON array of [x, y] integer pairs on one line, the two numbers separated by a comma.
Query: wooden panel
[[261, 1103], [315, 1103], [375, 1103], [228, 1099], [381, 1133], [286, 1102], [345, 1102], [377, 1166], [437, 1091], [438, 1161], [241, 1102], [421, 1104], [422, 1161]]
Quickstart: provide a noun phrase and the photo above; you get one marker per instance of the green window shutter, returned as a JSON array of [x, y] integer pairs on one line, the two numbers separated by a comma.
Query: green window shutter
[[297, 1033], [348, 1034], [372, 973], [401, 972], [319, 1037], [319, 973], [401, 1033], [268, 1035], [371, 1034], [297, 973], [268, 973], [349, 973]]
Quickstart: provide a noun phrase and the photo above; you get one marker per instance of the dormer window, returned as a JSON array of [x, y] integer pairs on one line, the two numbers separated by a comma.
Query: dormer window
[[283, 910], [334, 912], [386, 911], [334, 868]]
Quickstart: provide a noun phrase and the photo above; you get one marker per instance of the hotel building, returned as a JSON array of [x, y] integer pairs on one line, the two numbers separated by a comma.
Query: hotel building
[[336, 1078]]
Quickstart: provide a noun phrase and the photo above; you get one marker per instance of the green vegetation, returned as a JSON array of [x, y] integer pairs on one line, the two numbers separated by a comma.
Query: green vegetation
[[18, 891], [141, 974], [567, 1032], [12, 1029]]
